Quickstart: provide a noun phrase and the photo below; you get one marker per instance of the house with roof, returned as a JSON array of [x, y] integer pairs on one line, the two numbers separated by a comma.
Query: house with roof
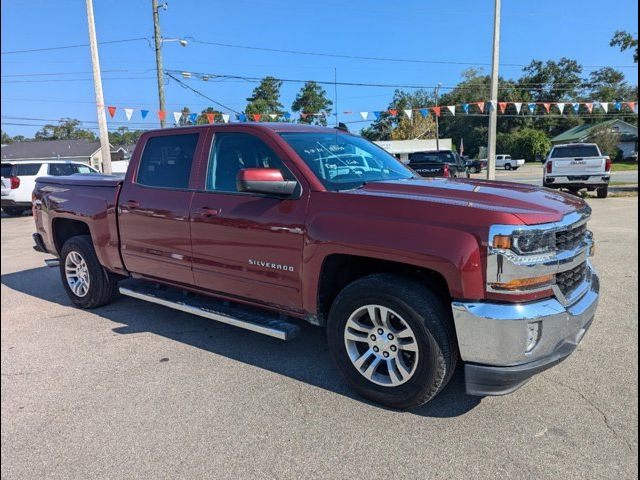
[[582, 133], [80, 150]]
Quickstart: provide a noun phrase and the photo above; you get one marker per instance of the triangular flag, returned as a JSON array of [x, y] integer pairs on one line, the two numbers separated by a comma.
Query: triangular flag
[[273, 116], [112, 111], [480, 106], [304, 115], [576, 107], [225, 117], [492, 105], [256, 117], [162, 114], [605, 106], [589, 106], [560, 107], [393, 112], [547, 106], [286, 115], [631, 105], [518, 106], [242, 117], [408, 112], [128, 112], [364, 115], [617, 105], [465, 107], [436, 111], [177, 116], [596, 104], [193, 117], [377, 114], [452, 109], [424, 112], [502, 106], [532, 107], [211, 117], [144, 113]]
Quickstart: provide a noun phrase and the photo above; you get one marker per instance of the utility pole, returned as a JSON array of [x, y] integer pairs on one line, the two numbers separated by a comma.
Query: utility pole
[[158, 46], [437, 118], [97, 84], [493, 105]]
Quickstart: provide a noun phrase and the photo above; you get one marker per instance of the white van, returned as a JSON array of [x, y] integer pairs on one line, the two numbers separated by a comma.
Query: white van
[[19, 179]]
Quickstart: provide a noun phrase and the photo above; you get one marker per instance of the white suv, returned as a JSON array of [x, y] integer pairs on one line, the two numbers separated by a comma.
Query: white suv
[[19, 178]]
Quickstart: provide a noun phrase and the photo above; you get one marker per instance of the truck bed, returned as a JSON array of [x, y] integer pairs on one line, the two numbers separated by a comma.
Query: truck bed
[[97, 180]]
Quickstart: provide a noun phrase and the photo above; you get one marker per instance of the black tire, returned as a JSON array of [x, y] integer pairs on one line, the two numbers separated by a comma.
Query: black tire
[[102, 284], [602, 192], [430, 321], [14, 211], [478, 170], [507, 166]]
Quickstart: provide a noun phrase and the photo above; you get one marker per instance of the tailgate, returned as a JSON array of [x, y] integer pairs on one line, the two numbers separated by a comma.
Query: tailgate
[[428, 169], [578, 166]]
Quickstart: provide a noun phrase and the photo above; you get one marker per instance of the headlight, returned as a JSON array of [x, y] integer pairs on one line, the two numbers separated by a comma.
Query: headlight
[[527, 243]]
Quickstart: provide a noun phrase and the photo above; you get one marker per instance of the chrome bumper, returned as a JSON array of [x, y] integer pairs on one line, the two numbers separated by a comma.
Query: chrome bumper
[[599, 179], [496, 333]]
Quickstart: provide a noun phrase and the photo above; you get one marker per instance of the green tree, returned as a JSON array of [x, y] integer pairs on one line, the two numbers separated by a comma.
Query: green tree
[[399, 126], [124, 136], [625, 41], [66, 129], [6, 138], [528, 143], [265, 98], [312, 98], [606, 139], [202, 118], [607, 85]]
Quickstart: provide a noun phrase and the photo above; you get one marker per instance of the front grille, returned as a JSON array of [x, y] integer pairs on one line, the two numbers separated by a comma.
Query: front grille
[[570, 239], [569, 280]]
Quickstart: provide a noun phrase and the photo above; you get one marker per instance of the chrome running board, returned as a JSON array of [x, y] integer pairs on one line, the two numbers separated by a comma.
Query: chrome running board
[[239, 316], [52, 262]]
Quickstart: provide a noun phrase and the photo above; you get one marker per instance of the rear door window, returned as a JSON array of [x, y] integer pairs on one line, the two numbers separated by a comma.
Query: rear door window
[[63, 169], [166, 161], [6, 170], [26, 169], [572, 151]]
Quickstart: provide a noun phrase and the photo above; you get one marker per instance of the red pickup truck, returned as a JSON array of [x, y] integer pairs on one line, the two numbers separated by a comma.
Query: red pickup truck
[[265, 225]]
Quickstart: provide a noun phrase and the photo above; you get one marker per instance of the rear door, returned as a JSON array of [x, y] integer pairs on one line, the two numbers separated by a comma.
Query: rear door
[[247, 245], [154, 206], [27, 173], [577, 160]]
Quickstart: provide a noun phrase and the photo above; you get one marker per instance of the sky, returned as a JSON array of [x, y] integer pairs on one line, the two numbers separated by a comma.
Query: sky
[[41, 87]]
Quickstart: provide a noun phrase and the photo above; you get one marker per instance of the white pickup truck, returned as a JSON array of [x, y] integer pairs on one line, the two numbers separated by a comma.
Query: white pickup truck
[[508, 163], [577, 166]]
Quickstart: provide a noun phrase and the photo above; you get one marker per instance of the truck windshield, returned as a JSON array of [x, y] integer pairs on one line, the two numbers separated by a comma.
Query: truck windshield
[[572, 151], [343, 162]]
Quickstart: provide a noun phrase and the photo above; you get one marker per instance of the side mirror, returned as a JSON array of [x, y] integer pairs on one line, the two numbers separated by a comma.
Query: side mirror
[[265, 180]]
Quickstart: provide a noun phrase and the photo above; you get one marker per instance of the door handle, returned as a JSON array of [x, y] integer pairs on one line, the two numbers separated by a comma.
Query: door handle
[[207, 212]]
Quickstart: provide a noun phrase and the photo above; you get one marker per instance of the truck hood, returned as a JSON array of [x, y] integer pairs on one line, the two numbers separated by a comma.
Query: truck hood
[[532, 205]]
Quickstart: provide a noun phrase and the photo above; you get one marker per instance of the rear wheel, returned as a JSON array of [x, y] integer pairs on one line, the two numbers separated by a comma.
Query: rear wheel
[[602, 192], [507, 166], [14, 211], [87, 283], [392, 340]]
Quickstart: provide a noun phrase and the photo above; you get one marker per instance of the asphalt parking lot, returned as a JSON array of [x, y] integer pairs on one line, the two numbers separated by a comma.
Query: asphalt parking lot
[[134, 390]]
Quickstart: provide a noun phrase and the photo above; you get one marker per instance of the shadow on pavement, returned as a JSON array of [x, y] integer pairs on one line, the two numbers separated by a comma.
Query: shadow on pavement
[[305, 359]]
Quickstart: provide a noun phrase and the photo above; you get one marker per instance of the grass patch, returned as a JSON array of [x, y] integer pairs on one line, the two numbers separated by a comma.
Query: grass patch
[[624, 166]]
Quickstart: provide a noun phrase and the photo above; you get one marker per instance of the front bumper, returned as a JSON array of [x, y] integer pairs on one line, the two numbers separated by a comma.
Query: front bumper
[[492, 337], [9, 202]]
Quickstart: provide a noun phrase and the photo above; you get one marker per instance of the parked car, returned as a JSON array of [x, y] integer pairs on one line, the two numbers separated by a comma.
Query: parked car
[[262, 226], [578, 166], [438, 163], [475, 166], [508, 163], [19, 178]]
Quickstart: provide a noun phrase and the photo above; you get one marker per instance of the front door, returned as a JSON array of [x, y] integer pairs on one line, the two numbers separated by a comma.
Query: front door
[[247, 245], [154, 208]]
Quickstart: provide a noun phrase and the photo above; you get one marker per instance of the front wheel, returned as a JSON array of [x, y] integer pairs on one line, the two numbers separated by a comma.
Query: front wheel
[[14, 211], [507, 166], [87, 283], [392, 340]]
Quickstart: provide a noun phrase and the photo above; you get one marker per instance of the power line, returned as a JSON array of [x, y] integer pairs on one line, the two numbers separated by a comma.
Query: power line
[[80, 45], [381, 59], [199, 93]]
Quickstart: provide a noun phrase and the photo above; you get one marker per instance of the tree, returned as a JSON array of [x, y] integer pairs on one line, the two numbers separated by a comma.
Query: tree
[[527, 143], [202, 118], [66, 129], [312, 98], [399, 126], [265, 98], [6, 138], [606, 139], [607, 85], [124, 136], [625, 41], [184, 119]]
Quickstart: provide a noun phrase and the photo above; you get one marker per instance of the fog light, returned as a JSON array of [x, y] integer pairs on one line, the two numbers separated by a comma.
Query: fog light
[[534, 330]]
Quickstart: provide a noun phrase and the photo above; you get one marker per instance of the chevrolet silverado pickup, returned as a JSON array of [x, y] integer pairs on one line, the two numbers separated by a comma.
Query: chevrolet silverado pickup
[[266, 225], [438, 163], [577, 166]]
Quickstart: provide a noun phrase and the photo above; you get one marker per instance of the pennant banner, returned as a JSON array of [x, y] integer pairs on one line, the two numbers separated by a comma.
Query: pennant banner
[[128, 112], [605, 106], [532, 107], [112, 111], [144, 113], [560, 107], [211, 117], [436, 111], [408, 113], [424, 112], [162, 115], [452, 109], [480, 106], [393, 112], [547, 107], [364, 115], [225, 117], [465, 107], [177, 116], [518, 106], [589, 107], [502, 106]]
